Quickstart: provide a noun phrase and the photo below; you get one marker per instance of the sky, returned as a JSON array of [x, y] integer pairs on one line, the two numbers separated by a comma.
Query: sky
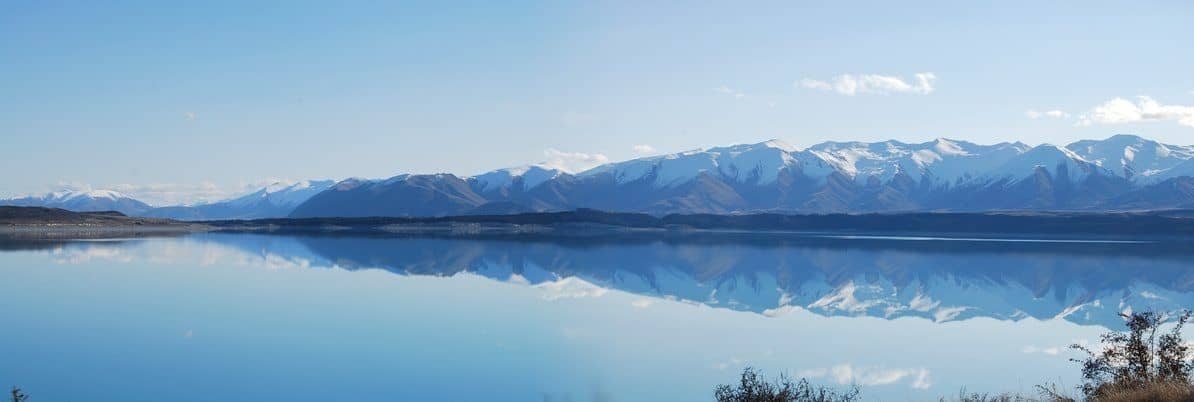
[[199, 101]]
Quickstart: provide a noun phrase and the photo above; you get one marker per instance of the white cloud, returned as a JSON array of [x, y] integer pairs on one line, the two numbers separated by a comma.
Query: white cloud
[[1053, 114], [1051, 351], [572, 161], [189, 115], [643, 149], [867, 376], [850, 85], [1145, 109], [730, 91], [921, 381], [641, 303]]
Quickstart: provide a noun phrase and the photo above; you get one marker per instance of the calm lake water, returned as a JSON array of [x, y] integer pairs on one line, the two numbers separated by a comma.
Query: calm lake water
[[296, 318]]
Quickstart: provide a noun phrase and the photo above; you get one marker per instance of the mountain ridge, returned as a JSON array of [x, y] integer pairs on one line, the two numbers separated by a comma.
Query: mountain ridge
[[830, 177], [1117, 173]]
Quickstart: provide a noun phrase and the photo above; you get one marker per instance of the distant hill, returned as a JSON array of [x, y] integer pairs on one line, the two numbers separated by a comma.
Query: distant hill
[[40, 216]]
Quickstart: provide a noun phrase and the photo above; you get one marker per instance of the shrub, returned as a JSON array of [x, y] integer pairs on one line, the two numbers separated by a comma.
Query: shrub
[[752, 387], [1139, 360], [18, 396]]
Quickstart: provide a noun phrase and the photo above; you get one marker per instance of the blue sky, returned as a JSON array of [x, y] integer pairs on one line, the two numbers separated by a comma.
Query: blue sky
[[201, 100]]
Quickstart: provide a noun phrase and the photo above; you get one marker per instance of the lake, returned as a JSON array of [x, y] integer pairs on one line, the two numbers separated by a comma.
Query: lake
[[238, 317]]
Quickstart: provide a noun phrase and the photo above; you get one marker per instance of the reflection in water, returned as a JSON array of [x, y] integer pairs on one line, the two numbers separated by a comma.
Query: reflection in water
[[600, 318], [1081, 282]]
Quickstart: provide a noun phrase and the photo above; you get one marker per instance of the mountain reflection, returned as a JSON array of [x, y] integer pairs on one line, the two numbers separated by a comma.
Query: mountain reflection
[[1085, 283]]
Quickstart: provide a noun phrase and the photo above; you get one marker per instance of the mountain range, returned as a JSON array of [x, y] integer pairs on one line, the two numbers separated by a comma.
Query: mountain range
[[1117, 173]]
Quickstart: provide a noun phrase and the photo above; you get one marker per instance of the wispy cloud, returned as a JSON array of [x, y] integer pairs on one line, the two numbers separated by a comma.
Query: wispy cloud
[[572, 161], [189, 115], [850, 85], [643, 149], [730, 92], [1051, 350], [1144, 109], [1052, 114], [845, 374]]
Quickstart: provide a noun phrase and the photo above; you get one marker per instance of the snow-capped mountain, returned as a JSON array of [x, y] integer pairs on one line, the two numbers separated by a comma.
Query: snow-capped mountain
[[273, 201], [1120, 172], [82, 201], [520, 178], [1135, 158], [942, 162], [759, 163], [942, 174]]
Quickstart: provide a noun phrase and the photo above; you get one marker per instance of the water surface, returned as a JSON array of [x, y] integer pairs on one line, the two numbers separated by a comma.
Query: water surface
[[256, 317]]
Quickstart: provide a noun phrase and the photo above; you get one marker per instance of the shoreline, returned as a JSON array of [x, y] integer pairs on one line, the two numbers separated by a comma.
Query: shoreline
[[1119, 227]]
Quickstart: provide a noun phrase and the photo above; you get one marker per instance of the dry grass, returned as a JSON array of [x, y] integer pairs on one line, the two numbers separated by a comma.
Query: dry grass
[[1154, 392]]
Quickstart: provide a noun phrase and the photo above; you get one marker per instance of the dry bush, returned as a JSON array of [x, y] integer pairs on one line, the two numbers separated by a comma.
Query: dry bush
[[1142, 364], [752, 387]]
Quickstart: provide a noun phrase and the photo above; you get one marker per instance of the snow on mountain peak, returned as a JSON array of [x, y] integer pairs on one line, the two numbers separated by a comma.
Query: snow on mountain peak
[[1132, 157], [285, 194], [947, 146], [759, 162], [779, 144], [1049, 157], [531, 176], [69, 195]]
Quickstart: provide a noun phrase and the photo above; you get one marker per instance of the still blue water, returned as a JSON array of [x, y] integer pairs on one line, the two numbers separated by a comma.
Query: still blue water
[[256, 318]]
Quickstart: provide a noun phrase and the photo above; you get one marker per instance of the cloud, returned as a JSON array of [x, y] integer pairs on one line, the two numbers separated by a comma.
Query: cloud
[[868, 376], [848, 374], [1051, 351], [1053, 114], [189, 115], [850, 85], [643, 149], [730, 91], [572, 161], [1145, 109]]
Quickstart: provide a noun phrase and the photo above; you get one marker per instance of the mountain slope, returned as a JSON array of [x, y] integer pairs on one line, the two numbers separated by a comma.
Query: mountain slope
[[773, 176], [403, 195], [83, 201], [274, 201], [1134, 158]]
